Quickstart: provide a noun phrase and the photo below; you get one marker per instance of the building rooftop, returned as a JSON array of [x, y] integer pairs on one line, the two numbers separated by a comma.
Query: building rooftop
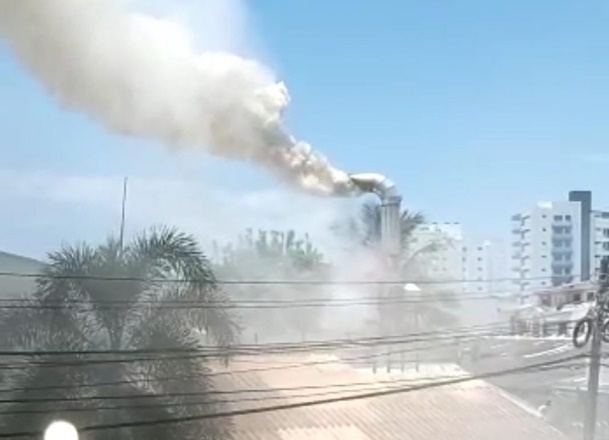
[[13, 283], [467, 411]]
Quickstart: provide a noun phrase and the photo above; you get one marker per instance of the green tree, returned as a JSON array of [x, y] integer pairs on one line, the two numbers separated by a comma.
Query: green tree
[[113, 300], [280, 263]]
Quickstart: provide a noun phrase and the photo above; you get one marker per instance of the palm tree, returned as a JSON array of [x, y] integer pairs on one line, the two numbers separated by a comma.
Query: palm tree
[[112, 300]]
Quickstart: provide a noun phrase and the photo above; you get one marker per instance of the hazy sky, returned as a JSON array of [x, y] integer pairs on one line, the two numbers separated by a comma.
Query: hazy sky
[[476, 109]]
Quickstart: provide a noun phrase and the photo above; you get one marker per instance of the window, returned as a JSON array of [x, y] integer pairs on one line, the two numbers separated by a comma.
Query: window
[[558, 218], [568, 218], [577, 297], [590, 296]]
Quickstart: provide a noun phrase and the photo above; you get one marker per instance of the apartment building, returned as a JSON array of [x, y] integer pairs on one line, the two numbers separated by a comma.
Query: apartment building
[[546, 245], [446, 261], [599, 243], [484, 267], [478, 265], [559, 242]]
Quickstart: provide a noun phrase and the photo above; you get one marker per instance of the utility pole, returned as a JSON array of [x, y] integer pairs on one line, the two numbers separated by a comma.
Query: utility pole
[[595, 353], [121, 236]]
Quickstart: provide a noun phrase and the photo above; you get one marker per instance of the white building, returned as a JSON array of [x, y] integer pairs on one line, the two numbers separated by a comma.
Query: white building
[[559, 242], [445, 262], [479, 266], [599, 246], [547, 245], [484, 267]]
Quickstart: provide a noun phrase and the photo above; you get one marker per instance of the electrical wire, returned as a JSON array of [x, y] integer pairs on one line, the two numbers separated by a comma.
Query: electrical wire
[[90, 362], [347, 387], [303, 404], [467, 333], [438, 334], [263, 282], [398, 338], [245, 371], [177, 304]]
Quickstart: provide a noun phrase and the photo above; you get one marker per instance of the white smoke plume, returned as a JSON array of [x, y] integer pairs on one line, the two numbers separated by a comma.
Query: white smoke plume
[[141, 76]]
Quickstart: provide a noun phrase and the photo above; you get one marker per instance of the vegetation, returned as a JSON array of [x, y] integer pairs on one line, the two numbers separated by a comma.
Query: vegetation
[[112, 300], [282, 263]]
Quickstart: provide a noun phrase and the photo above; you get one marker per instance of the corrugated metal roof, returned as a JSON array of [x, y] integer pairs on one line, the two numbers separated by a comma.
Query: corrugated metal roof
[[472, 410]]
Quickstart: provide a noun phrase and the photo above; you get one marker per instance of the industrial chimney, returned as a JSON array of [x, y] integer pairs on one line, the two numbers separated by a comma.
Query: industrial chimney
[[386, 190], [391, 233]]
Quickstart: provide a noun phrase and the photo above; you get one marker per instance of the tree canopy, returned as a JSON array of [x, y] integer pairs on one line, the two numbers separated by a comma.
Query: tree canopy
[[273, 267], [138, 308]]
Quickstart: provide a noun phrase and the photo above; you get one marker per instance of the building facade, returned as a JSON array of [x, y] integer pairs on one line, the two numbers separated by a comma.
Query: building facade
[[442, 244], [558, 243], [547, 245], [599, 242], [477, 266]]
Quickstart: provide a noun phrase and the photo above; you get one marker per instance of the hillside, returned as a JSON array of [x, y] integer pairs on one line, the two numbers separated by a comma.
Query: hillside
[[13, 279]]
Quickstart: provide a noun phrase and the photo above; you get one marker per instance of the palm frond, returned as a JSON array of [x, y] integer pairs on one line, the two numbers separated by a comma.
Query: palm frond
[[168, 253]]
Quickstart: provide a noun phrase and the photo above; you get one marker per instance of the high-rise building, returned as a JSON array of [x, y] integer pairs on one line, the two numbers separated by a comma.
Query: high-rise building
[[558, 242], [475, 266], [442, 247], [484, 266], [469, 268], [599, 240]]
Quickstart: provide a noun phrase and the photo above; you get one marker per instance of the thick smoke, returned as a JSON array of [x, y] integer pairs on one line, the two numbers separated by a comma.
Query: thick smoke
[[141, 76]]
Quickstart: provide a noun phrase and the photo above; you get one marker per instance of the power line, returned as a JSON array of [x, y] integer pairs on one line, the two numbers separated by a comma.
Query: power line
[[206, 305], [400, 338], [361, 386], [263, 282], [188, 304], [211, 374], [90, 362], [459, 333], [295, 405]]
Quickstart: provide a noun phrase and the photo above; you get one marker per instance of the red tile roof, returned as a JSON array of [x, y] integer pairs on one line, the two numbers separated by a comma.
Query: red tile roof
[[472, 410]]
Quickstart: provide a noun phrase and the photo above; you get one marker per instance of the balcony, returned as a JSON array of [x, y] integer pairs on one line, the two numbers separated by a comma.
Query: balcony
[[561, 253], [562, 235], [562, 222]]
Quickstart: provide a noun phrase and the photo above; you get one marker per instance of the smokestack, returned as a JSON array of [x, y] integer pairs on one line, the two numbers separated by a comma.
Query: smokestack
[[386, 190], [141, 76]]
